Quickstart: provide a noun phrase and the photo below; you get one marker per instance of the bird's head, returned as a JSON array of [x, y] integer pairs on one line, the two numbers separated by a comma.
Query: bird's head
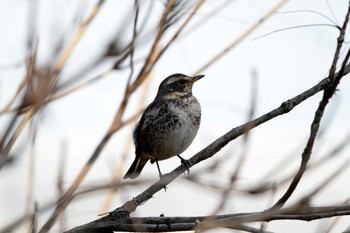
[[177, 85]]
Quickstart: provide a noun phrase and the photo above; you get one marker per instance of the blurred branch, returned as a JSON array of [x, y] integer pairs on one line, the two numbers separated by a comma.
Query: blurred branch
[[80, 86], [85, 190], [31, 175], [78, 36], [264, 186], [208, 16], [34, 219], [30, 70], [39, 86], [117, 174], [5, 151], [246, 137], [151, 56], [342, 168], [336, 219], [116, 125], [60, 178], [119, 169], [176, 35], [242, 36]]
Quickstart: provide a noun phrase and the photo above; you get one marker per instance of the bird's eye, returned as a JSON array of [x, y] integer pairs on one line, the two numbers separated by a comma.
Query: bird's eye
[[182, 81]]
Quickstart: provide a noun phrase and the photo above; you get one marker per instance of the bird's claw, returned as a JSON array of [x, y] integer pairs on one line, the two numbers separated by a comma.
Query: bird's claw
[[185, 164]]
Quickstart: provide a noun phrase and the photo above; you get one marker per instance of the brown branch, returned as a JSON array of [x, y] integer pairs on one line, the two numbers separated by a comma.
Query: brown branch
[[31, 175], [116, 125], [242, 36], [118, 171], [39, 102], [78, 36], [31, 63], [154, 49], [176, 35], [79, 86], [117, 174]]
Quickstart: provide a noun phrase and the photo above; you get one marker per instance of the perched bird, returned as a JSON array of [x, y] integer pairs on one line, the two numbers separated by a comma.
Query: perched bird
[[168, 125]]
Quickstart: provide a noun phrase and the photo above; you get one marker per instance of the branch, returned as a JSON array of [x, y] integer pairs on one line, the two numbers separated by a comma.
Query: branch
[[116, 125], [130, 206], [123, 222], [219, 143], [327, 95], [243, 36]]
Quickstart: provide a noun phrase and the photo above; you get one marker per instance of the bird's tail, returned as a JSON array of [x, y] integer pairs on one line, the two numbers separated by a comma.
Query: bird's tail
[[136, 167]]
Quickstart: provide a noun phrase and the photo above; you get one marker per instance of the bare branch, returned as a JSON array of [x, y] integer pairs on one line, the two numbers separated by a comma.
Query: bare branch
[[219, 143], [122, 222], [328, 93]]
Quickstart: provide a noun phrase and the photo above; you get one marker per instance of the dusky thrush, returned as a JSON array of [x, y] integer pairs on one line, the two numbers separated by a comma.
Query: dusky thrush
[[168, 125]]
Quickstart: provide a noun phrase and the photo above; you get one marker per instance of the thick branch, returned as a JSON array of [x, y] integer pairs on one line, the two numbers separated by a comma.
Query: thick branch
[[167, 224]]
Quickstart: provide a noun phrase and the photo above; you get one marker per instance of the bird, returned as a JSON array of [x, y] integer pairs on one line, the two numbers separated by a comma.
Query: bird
[[168, 125]]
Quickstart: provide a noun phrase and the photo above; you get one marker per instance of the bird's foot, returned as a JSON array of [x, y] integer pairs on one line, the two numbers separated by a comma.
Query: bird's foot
[[185, 164], [160, 175]]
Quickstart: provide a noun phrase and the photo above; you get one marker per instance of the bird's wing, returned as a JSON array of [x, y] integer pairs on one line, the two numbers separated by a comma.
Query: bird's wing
[[154, 114]]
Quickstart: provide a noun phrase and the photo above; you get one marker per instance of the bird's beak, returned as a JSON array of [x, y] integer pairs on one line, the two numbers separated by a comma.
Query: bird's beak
[[197, 77]]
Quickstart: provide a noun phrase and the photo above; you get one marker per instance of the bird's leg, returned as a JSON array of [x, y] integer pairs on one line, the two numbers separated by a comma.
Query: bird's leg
[[160, 173], [185, 164]]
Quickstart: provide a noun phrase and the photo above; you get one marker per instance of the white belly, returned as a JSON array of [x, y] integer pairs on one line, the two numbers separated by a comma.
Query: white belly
[[180, 137], [177, 142]]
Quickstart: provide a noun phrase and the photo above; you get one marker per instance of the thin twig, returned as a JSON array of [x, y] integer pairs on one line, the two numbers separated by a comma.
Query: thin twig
[[242, 36], [328, 93], [296, 27]]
